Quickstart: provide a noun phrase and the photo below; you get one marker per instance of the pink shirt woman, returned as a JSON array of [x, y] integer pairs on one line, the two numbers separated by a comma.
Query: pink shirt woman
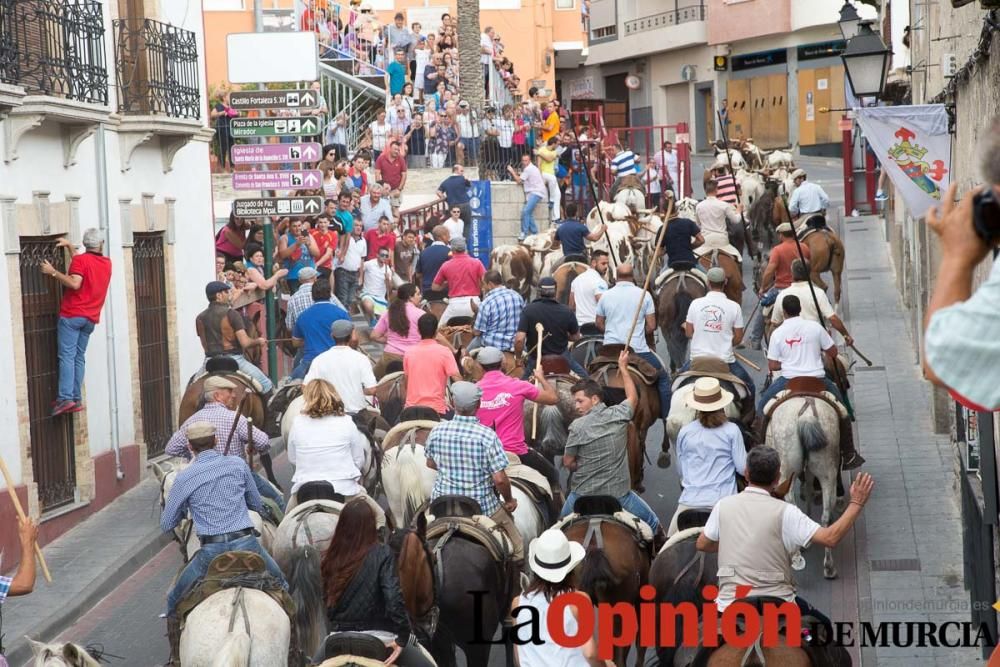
[[395, 343]]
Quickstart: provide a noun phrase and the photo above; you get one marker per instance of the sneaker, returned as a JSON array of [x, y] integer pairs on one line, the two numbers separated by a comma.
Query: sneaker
[[881, 196], [77, 407], [63, 407], [852, 461], [520, 238]]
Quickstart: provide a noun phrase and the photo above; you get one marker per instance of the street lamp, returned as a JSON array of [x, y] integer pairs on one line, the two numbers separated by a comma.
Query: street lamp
[[848, 21], [866, 60]]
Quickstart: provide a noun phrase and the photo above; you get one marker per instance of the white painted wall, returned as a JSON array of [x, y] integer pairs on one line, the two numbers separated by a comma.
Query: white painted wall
[[806, 14]]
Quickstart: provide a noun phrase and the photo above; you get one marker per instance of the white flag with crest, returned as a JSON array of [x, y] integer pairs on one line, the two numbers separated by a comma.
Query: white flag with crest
[[913, 145]]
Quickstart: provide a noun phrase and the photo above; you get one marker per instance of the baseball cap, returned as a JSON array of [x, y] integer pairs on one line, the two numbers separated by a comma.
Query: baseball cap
[[217, 382], [458, 244], [547, 285], [307, 273], [716, 275], [464, 395], [489, 355], [199, 430], [341, 328], [214, 288]]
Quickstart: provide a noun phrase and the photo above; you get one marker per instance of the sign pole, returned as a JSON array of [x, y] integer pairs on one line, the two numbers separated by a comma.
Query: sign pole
[[269, 304]]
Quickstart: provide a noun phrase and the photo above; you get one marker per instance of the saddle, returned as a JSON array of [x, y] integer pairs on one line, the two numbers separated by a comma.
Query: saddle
[[682, 274], [555, 364], [712, 367], [232, 569], [354, 645], [597, 509], [808, 387], [529, 480], [463, 516], [693, 518], [607, 355], [712, 249]]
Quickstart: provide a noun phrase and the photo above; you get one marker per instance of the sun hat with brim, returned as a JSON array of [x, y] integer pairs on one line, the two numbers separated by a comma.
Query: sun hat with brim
[[217, 383], [708, 396], [552, 556]]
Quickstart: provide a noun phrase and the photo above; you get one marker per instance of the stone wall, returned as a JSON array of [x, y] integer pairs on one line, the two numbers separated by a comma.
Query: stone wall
[[507, 202]]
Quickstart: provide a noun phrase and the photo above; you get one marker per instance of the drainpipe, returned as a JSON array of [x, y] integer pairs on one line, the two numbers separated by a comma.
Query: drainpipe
[[102, 216]]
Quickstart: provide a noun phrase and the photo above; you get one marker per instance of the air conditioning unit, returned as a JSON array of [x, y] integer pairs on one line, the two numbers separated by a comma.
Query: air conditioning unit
[[688, 73]]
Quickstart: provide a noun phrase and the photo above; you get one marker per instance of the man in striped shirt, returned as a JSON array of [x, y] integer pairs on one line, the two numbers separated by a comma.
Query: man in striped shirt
[[727, 190]]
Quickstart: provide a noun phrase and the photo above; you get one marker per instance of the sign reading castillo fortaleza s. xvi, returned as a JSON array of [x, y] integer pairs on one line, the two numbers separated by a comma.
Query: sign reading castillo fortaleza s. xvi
[[274, 99]]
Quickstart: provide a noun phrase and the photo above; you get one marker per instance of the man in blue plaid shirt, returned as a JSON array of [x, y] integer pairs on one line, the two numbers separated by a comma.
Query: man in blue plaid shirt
[[471, 462], [497, 316]]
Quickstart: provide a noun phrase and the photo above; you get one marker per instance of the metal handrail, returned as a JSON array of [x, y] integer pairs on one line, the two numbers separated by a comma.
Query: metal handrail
[[675, 16]]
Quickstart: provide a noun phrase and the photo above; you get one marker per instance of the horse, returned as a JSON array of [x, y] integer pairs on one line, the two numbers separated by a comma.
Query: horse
[[390, 394], [806, 432], [826, 253], [634, 198], [406, 479], [564, 275], [615, 568], [236, 626], [370, 475], [552, 420], [732, 268], [416, 574], [63, 655], [679, 574], [681, 415], [761, 215], [673, 301]]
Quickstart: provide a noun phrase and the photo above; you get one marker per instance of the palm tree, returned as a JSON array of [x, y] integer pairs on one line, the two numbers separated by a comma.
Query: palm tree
[[470, 72]]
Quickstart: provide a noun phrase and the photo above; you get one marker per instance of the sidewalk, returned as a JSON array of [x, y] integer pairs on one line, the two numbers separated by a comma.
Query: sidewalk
[[909, 551]]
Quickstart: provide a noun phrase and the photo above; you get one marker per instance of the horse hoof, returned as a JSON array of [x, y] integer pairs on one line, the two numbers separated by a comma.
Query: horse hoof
[[664, 460]]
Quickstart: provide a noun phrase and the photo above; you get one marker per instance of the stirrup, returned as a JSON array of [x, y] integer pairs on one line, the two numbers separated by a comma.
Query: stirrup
[[854, 461]]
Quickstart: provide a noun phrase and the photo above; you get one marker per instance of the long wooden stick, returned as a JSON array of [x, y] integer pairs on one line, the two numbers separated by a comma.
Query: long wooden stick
[[20, 513], [539, 330], [649, 273], [747, 361], [863, 357]]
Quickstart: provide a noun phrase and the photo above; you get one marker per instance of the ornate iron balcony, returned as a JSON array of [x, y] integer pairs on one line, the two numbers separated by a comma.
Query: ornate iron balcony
[[156, 69], [54, 47]]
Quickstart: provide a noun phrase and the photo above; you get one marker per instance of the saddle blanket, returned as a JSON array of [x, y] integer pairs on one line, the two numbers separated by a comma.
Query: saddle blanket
[[480, 529], [530, 478], [782, 396], [673, 274], [627, 519]]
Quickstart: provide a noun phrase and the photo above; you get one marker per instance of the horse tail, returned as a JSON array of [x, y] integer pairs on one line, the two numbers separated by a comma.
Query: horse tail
[[811, 434], [596, 576], [682, 303], [307, 593], [410, 482]]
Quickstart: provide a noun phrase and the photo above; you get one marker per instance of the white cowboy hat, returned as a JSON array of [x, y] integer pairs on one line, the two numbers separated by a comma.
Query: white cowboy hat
[[551, 556], [708, 396], [799, 173]]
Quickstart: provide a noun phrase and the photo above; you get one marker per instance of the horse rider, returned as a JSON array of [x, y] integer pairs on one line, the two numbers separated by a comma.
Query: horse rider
[[796, 350], [776, 277], [223, 332], [349, 371], [428, 366], [682, 236], [312, 328], [625, 168], [497, 316], [800, 287], [808, 199], [220, 411], [218, 491], [710, 451], [728, 190], [615, 313], [462, 276], [744, 530], [571, 236], [502, 409], [470, 461], [560, 327], [714, 323], [586, 290], [715, 216], [595, 452]]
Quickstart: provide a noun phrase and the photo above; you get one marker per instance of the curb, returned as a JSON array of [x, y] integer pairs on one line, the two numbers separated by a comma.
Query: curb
[[117, 572]]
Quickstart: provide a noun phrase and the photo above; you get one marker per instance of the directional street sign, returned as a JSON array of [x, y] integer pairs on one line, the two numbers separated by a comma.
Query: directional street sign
[[274, 99], [283, 206], [277, 180], [274, 127], [267, 153]]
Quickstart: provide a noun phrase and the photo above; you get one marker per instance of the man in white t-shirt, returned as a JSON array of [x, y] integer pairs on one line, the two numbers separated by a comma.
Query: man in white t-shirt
[[376, 277], [796, 350], [800, 288], [744, 530], [347, 265], [666, 162], [715, 324], [534, 191], [586, 290], [349, 371], [486, 56]]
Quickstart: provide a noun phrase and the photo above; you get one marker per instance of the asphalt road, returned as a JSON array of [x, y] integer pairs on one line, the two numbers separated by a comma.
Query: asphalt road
[[127, 624]]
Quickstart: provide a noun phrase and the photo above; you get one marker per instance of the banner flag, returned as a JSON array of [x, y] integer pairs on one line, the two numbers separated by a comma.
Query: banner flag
[[913, 145], [481, 243]]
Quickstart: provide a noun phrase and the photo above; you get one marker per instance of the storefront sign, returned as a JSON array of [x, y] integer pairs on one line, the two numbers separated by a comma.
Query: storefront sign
[[762, 59], [822, 50]]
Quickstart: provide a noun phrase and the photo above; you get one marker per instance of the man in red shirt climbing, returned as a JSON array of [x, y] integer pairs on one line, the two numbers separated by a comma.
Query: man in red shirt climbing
[[85, 286]]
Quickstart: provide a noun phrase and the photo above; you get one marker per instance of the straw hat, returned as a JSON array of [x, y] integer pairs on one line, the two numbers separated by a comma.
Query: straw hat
[[708, 396], [552, 556]]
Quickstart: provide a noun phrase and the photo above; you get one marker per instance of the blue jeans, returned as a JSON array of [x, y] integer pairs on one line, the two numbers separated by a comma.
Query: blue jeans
[[574, 365], [756, 332], [781, 382], [631, 502], [268, 491], [471, 145], [301, 368], [195, 570], [528, 225], [246, 367], [736, 368], [662, 382], [73, 334], [345, 284]]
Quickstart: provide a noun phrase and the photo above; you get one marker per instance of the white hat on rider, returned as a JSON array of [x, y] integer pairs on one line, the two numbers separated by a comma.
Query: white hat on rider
[[798, 173], [552, 556], [708, 396]]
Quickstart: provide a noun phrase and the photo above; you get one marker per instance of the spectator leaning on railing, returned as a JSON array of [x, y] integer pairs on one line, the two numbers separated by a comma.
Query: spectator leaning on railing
[[962, 342]]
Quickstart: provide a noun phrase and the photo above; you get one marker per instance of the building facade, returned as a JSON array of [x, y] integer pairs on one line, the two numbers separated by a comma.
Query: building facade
[[103, 124]]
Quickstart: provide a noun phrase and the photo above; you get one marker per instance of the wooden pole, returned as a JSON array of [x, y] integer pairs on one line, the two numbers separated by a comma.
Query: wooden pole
[[649, 272], [539, 330], [20, 514], [747, 361]]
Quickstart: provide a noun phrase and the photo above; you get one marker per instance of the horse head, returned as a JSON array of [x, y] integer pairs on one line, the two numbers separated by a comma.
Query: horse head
[[63, 655]]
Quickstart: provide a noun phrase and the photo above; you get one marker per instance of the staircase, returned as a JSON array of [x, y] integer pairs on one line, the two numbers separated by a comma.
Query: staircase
[[354, 88]]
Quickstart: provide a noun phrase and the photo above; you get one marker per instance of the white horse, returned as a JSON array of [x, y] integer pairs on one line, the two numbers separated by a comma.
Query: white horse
[[780, 159], [60, 655], [166, 473], [806, 433], [236, 627], [369, 471], [681, 415], [751, 186], [633, 198], [735, 158], [406, 479]]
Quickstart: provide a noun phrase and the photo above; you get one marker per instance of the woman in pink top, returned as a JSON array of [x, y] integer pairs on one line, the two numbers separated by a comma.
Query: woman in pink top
[[397, 327]]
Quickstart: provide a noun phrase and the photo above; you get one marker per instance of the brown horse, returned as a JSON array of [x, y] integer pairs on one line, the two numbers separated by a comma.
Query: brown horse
[[826, 254], [246, 395], [416, 575], [390, 392], [613, 573], [564, 276], [734, 272], [673, 302]]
